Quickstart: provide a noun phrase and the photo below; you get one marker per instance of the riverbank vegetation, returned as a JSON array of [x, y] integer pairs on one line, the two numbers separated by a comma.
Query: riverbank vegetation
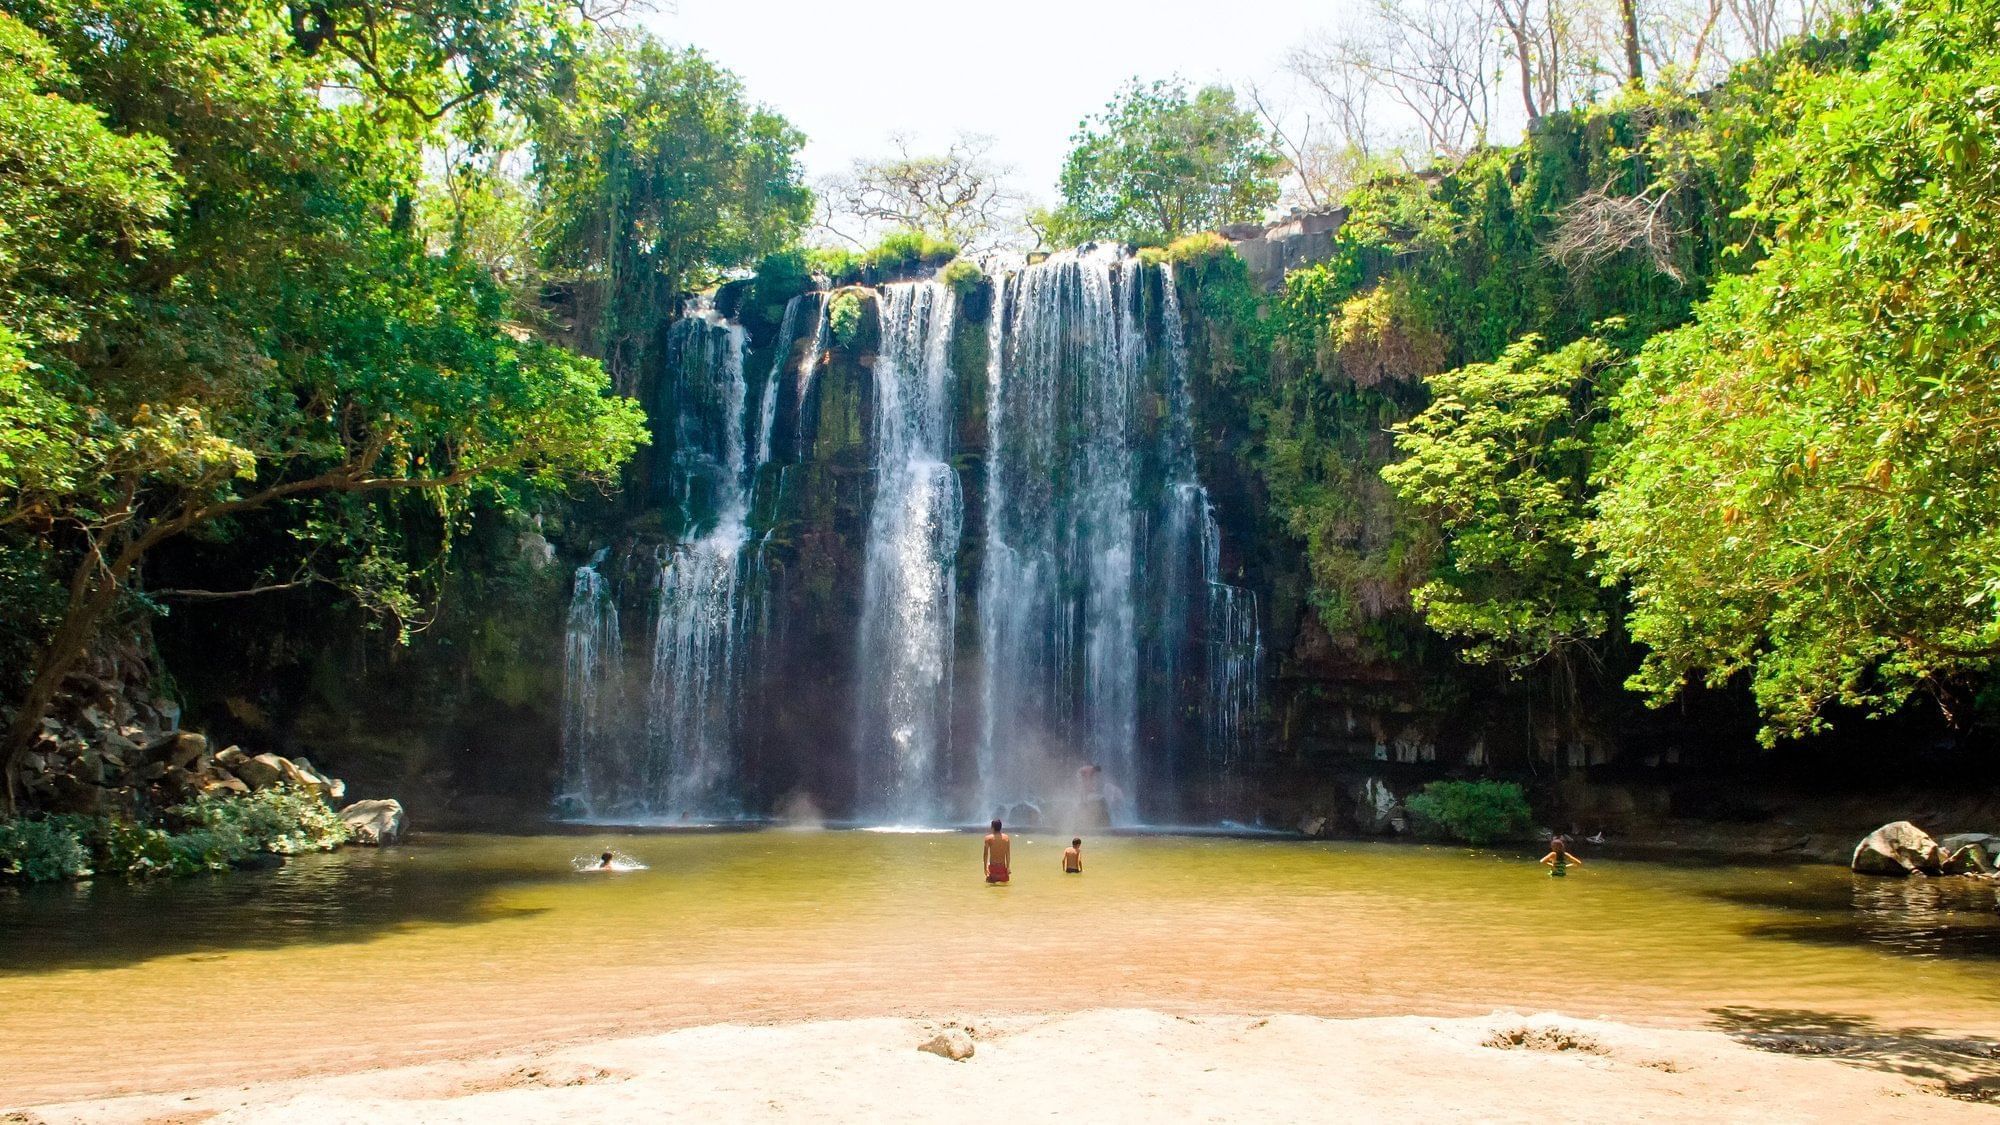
[[209, 833]]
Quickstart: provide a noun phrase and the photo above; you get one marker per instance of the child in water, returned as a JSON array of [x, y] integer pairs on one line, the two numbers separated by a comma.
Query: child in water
[[1072, 857], [604, 862], [1559, 857]]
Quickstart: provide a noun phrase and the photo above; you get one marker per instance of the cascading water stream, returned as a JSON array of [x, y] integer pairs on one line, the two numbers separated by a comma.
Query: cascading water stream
[[1234, 655], [691, 704], [1057, 612], [593, 687], [909, 600]]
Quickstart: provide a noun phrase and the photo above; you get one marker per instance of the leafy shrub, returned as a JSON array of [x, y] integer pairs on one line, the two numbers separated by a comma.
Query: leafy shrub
[[838, 266], [1477, 812], [1199, 248], [135, 851], [908, 249], [284, 819], [843, 317], [962, 275], [779, 278], [1386, 333], [210, 833], [43, 851]]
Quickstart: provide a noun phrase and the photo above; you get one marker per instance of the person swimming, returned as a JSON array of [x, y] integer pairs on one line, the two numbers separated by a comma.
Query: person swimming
[[1072, 857], [1559, 857], [997, 854], [604, 862]]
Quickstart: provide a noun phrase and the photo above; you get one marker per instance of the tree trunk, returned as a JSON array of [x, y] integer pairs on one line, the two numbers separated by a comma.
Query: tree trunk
[[1635, 78], [89, 603]]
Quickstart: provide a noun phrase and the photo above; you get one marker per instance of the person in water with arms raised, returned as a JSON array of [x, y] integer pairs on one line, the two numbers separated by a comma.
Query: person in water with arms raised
[[999, 852], [1559, 857], [1073, 857]]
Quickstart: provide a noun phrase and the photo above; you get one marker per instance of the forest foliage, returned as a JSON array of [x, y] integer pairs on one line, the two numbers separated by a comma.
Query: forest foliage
[[270, 274], [1714, 374]]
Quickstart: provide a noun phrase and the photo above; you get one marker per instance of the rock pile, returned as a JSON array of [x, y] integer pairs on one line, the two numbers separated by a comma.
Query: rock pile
[[109, 745]]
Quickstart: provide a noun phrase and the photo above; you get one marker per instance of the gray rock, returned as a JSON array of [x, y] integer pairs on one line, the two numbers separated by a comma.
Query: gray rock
[[1312, 826], [332, 790], [222, 781], [1897, 848], [260, 772], [184, 749], [374, 823], [1967, 852], [950, 1044]]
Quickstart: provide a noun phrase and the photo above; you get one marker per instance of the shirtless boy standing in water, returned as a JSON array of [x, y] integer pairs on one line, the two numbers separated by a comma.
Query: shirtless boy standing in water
[[998, 853], [1073, 857]]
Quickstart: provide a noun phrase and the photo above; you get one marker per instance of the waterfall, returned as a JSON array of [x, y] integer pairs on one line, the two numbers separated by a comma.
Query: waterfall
[[788, 334], [1058, 618], [1101, 548], [692, 698], [1174, 597], [592, 687], [808, 365], [909, 600], [1107, 631], [1234, 655]]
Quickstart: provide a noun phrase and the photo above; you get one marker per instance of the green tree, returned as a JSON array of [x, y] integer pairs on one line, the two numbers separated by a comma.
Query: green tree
[[1158, 164], [263, 326], [1500, 464], [658, 174], [1809, 491]]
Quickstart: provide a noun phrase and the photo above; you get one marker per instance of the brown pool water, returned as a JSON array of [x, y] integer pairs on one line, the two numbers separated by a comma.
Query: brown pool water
[[463, 943]]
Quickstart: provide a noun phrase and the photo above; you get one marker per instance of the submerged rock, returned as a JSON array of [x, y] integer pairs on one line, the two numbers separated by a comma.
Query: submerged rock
[[374, 823], [1897, 848], [953, 1044]]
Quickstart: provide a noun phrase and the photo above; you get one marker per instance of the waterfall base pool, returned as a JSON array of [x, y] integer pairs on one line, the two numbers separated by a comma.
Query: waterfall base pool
[[464, 943]]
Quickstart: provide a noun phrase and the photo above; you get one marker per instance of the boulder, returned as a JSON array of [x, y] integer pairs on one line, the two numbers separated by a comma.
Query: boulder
[[221, 781], [950, 1044], [332, 790], [1967, 852], [1897, 848], [1312, 826], [260, 772], [374, 823], [184, 749]]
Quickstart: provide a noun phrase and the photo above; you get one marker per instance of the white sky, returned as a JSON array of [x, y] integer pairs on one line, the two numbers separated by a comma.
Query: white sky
[[1023, 72]]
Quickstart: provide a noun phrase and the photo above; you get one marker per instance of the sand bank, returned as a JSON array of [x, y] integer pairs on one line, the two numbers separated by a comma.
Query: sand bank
[[1127, 1065]]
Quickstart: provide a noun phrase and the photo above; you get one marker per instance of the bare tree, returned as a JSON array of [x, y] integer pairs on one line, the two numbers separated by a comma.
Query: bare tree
[[1433, 58], [1547, 41], [958, 195], [1682, 41]]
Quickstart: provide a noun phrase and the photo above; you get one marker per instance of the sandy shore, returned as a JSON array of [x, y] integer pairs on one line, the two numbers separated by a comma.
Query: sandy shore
[[1118, 1065]]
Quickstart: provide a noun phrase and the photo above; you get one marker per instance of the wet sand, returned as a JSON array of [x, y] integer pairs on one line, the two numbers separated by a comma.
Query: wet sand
[[1116, 1065]]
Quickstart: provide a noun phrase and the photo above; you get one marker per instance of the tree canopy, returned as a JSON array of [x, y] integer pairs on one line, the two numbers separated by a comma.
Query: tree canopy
[[230, 280], [1160, 163], [1809, 487]]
